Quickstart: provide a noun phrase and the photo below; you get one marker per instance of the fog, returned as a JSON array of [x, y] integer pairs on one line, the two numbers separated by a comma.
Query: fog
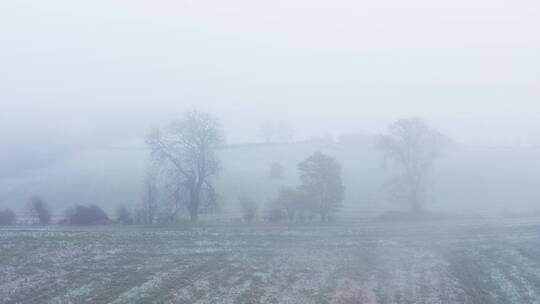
[[286, 151], [82, 76], [105, 71]]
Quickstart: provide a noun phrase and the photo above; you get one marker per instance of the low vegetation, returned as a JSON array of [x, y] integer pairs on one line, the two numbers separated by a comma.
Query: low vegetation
[[184, 166], [85, 215]]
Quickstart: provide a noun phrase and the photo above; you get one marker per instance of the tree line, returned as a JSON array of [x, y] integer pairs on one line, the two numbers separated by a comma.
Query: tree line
[[184, 167]]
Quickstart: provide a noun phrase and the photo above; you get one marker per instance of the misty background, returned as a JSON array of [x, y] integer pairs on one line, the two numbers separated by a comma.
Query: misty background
[[81, 84]]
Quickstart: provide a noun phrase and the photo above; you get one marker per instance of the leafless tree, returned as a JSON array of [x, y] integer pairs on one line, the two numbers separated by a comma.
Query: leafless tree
[[189, 147], [412, 147], [322, 184], [40, 212], [176, 196]]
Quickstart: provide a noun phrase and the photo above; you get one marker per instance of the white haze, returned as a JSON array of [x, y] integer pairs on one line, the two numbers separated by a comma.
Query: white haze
[[98, 73]]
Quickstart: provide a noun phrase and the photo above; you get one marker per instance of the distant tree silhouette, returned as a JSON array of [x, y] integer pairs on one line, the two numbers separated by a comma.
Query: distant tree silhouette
[[40, 212], [412, 147], [291, 202], [86, 215], [290, 205], [322, 184], [188, 146]]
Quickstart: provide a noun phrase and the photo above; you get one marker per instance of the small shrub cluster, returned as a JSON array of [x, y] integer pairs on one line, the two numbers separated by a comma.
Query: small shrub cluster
[[86, 215], [320, 193]]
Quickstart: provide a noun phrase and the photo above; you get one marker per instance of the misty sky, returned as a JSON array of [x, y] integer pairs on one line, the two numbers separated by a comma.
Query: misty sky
[[79, 73]]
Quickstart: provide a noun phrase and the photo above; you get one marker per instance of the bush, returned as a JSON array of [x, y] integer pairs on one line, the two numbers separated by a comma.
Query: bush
[[291, 205], [7, 217], [86, 215], [249, 209]]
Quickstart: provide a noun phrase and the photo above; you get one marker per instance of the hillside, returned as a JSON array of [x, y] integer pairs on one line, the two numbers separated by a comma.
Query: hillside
[[467, 179]]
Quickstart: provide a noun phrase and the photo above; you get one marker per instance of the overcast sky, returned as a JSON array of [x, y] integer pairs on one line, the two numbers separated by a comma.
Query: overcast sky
[[100, 71]]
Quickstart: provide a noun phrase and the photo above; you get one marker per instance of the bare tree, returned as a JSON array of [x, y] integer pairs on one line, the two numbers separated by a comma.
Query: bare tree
[[412, 147], [189, 147], [321, 183], [176, 196], [40, 212]]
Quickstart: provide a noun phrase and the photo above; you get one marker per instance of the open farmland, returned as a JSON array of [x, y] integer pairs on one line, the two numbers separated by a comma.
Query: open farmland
[[451, 262]]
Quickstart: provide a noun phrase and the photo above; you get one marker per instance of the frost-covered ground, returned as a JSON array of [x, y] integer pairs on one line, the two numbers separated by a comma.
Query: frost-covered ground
[[352, 262]]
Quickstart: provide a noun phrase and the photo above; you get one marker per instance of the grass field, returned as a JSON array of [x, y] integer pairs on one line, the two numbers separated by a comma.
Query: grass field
[[480, 261]]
